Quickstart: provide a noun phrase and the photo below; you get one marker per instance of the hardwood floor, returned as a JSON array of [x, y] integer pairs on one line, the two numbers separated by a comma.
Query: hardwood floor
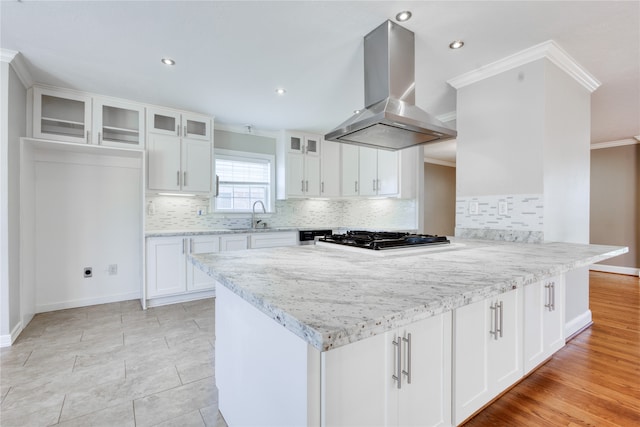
[[594, 380]]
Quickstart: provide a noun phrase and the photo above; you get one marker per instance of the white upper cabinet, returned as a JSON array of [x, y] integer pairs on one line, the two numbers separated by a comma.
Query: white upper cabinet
[[330, 169], [61, 115], [369, 171], [298, 165], [179, 152], [69, 116], [349, 168], [118, 123], [387, 179]]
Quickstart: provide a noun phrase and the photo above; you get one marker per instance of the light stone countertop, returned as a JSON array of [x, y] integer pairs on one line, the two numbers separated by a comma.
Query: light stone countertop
[[207, 231], [331, 297]]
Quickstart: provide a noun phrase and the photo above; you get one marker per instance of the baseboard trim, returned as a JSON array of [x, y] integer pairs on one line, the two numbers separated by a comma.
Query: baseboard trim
[[8, 340], [577, 325], [86, 302], [174, 299], [629, 271]]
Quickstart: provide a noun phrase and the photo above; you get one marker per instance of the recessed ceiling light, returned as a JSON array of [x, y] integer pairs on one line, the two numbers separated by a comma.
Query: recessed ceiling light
[[405, 15], [281, 91], [168, 61], [456, 44]]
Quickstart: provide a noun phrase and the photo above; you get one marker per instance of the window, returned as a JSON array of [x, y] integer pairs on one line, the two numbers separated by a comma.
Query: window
[[243, 179]]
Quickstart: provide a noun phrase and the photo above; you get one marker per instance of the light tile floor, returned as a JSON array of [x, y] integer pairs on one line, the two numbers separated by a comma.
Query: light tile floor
[[113, 365]]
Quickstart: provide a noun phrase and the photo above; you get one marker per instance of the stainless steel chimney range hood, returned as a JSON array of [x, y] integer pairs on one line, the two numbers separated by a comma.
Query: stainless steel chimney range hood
[[391, 120]]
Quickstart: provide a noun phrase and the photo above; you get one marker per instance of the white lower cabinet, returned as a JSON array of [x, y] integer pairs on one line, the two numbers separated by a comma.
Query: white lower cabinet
[[168, 270], [166, 264], [543, 321], [487, 351], [198, 280], [273, 240], [234, 242], [399, 378]]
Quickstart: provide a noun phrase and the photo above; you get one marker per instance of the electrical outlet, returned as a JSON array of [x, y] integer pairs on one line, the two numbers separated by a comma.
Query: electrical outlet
[[113, 269], [474, 208], [88, 272]]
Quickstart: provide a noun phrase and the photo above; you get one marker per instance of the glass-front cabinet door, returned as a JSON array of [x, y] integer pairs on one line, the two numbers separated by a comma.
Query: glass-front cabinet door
[[196, 127], [118, 124], [61, 115], [164, 122]]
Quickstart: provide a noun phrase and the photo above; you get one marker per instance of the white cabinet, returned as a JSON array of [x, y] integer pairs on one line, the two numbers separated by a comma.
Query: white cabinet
[[198, 280], [273, 240], [179, 152], [168, 270], [61, 115], [330, 169], [368, 171], [234, 242], [66, 115], [487, 351], [298, 165], [349, 164], [118, 123], [166, 267], [543, 321], [399, 378]]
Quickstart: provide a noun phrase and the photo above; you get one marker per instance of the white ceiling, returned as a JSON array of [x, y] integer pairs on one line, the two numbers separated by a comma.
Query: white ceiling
[[231, 56]]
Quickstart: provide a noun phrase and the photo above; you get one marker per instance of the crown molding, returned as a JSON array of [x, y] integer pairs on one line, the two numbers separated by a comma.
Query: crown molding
[[549, 50], [617, 143], [439, 162], [17, 63], [447, 117]]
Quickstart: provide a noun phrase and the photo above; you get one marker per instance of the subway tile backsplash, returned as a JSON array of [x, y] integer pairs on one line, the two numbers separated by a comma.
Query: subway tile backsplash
[[516, 217], [171, 213]]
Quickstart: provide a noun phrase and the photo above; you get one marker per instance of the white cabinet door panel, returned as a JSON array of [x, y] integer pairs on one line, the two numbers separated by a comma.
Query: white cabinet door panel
[[349, 168], [163, 156], [198, 280], [196, 166], [387, 173], [165, 266], [368, 171]]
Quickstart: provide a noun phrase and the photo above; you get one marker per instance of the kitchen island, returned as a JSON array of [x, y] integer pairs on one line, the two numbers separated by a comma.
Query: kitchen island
[[319, 335]]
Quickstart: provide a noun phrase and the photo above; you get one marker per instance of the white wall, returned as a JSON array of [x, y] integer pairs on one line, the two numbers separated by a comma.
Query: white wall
[[88, 214], [12, 127], [500, 133], [567, 154]]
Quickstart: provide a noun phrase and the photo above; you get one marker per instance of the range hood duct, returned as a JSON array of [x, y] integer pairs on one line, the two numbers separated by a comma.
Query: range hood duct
[[391, 120]]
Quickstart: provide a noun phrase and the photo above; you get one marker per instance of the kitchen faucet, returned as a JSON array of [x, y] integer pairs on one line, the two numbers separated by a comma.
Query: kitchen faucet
[[254, 223]]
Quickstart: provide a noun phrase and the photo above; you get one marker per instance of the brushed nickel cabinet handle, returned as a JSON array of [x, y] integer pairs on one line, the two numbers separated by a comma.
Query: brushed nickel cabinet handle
[[306, 188], [494, 332], [217, 186], [99, 138], [548, 297], [178, 178], [184, 178], [398, 376], [322, 187], [408, 371], [501, 316], [302, 185]]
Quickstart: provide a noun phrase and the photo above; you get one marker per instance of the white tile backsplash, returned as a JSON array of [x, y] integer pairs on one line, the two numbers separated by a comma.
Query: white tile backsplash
[[522, 221], [171, 213]]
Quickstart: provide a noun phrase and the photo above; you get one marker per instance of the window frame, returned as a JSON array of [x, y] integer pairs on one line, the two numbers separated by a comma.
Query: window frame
[[247, 156]]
